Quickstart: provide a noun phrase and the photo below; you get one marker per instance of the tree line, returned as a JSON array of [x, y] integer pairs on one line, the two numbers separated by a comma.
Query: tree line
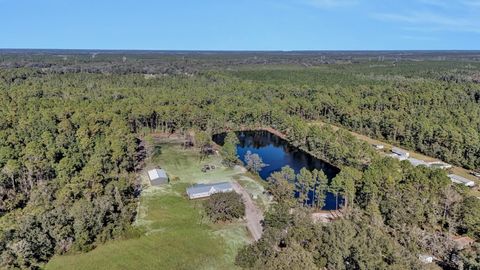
[[393, 214], [69, 142]]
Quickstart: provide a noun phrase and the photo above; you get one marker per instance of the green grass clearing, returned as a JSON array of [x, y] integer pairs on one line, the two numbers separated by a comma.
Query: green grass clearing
[[177, 235]]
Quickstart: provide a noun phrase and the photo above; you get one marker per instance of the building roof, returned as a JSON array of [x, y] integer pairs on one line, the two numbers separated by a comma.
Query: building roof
[[417, 162], [156, 174], [426, 258], [461, 180], [204, 188], [439, 164], [399, 157], [399, 151]]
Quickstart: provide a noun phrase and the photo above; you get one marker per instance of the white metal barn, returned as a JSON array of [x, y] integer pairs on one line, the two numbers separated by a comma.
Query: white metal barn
[[206, 190], [461, 180], [158, 177], [439, 165]]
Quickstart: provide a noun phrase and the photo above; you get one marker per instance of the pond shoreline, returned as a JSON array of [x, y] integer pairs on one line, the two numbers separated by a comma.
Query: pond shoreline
[[278, 134], [279, 152], [260, 128]]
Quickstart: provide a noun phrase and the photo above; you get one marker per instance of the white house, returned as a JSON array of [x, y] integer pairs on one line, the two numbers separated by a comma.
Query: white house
[[439, 165], [461, 180], [417, 162], [206, 190]]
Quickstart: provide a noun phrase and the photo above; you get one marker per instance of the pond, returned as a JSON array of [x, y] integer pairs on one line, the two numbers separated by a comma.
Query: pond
[[277, 153]]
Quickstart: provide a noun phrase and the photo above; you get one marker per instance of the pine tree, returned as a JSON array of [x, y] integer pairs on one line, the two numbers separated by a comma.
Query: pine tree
[[229, 150], [321, 189]]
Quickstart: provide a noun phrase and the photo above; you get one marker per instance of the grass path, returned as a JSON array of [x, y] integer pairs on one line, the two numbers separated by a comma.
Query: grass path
[[177, 239]]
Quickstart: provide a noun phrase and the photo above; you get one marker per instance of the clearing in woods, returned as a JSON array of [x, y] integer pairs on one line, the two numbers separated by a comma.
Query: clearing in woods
[[455, 169], [177, 235]]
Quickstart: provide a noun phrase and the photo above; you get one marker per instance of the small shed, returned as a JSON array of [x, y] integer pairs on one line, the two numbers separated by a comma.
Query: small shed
[[206, 190], [400, 152], [461, 180], [425, 258], [158, 177], [378, 146]]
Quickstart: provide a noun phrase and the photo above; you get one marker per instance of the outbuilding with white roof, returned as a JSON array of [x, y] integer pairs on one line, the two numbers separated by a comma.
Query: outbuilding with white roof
[[158, 177], [461, 180]]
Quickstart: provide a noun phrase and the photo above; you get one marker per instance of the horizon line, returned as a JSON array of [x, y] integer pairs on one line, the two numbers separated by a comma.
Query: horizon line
[[240, 50]]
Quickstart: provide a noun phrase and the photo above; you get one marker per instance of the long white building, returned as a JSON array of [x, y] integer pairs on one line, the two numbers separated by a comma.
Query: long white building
[[461, 180]]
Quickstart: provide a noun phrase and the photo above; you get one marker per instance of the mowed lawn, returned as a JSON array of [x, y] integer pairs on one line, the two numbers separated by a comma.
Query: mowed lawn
[[177, 235]]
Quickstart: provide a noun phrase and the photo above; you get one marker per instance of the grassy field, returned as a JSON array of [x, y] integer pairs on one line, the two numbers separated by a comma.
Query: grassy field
[[177, 235]]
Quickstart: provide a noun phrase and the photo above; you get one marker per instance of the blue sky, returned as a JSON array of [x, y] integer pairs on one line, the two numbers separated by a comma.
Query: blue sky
[[241, 24]]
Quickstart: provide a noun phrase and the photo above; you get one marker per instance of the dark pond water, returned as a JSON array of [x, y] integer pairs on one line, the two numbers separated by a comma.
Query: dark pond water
[[278, 153]]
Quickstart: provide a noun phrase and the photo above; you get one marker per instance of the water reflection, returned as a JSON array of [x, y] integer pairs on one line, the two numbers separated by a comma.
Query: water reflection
[[278, 153]]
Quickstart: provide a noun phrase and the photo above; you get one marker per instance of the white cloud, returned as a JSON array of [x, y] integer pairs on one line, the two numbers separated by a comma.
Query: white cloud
[[420, 17], [332, 3], [420, 38], [437, 3], [451, 4], [427, 20], [472, 3]]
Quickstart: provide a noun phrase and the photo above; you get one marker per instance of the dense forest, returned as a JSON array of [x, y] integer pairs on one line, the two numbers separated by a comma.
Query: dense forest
[[395, 214], [71, 129]]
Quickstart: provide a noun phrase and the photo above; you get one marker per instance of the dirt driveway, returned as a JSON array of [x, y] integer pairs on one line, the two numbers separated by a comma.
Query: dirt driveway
[[253, 214]]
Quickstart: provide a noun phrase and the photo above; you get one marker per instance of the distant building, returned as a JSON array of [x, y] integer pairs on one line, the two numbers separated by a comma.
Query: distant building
[[439, 165], [461, 180], [400, 152], [158, 177], [379, 146], [206, 190], [426, 259], [417, 162], [397, 156]]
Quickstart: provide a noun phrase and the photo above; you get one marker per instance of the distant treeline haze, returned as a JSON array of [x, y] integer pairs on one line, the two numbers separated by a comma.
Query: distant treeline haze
[[69, 145]]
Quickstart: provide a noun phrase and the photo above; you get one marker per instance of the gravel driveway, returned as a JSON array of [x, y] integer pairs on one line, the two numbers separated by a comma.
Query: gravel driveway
[[253, 214]]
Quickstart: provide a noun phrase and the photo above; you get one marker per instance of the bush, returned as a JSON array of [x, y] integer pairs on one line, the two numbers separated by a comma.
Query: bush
[[225, 207]]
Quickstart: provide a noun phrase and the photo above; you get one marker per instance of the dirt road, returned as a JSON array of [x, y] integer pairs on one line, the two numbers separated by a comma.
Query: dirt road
[[253, 214]]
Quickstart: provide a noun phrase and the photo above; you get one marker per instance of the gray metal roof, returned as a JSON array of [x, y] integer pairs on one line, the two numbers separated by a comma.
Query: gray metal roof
[[400, 151], [202, 188], [461, 180], [417, 162]]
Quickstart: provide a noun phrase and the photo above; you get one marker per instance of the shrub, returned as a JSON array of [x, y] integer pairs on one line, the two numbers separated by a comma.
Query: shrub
[[225, 207]]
